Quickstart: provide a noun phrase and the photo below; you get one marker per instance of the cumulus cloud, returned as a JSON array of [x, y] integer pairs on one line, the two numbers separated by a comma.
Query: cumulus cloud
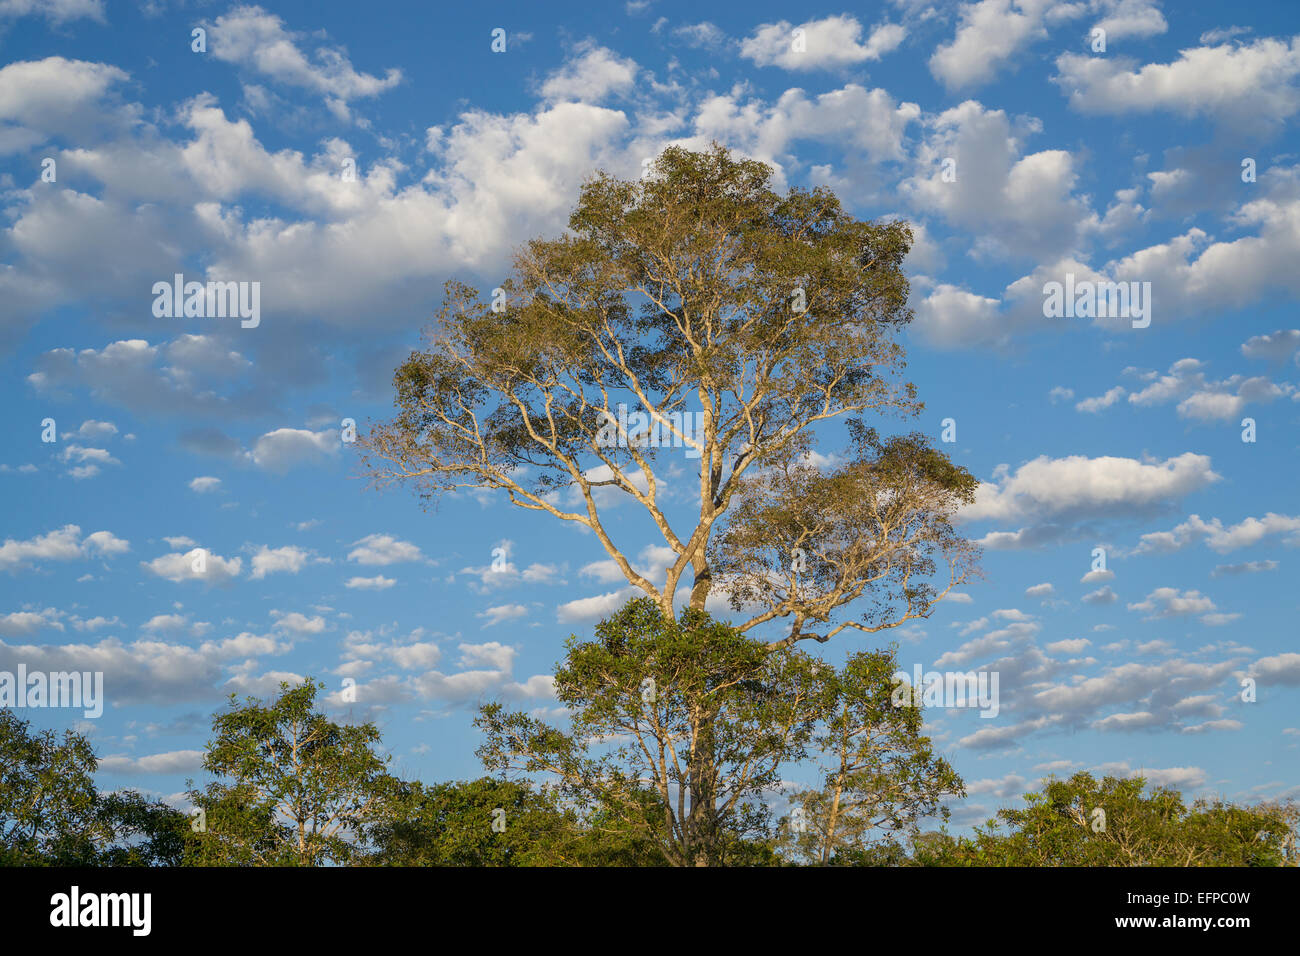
[[1064, 496], [1277, 347], [1106, 400], [1170, 602], [55, 11], [148, 671], [286, 448], [1280, 669], [827, 44], [65, 544], [256, 40], [1200, 397], [992, 34], [383, 549], [297, 623], [24, 623], [989, 35], [377, 583], [502, 612], [174, 761], [197, 564], [191, 374], [1221, 538], [1102, 595], [288, 560], [1247, 86], [595, 73], [1014, 202]]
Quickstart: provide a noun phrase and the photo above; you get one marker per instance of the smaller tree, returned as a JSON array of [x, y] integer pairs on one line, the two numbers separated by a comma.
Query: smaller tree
[[881, 776], [451, 824], [293, 788], [688, 712], [52, 814], [682, 729], [48, 801], [1083, 821], [143, 832]]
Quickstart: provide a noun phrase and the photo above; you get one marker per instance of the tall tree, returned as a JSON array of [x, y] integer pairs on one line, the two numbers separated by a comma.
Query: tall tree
[[736, 321], [292, 787]]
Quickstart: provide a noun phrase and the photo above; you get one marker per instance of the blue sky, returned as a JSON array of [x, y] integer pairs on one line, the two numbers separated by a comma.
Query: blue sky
[[175, 433]]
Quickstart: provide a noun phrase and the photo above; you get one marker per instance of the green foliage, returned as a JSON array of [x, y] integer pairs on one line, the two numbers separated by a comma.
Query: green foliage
[[47, 796], [293, 788], [681, 728], [51, 813], [700, 291], [450, 824], [1059, 827], [881, 777]]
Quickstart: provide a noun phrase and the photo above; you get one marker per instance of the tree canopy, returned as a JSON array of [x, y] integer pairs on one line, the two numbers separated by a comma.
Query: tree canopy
[[738, 321]]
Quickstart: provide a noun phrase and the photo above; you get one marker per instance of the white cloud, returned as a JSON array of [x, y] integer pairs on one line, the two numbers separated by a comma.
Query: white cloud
[[286, 448], [1242, 86], [65, 544], [1280, 669], [591, 76], [178, 567], [92, 430], [1204, 399], [1064, 496], [1013, 202], [596, 607], [1244, 533], [23, 623], [1277, 347], [1170, 602], [175, 761], [187, 375], [1103, 595], [1072, 646], [205, 484], [296, 623], [990, 35], [1101, 401], [829, 43], [250, 37], [55, 11], [383, 549], [377, 583], [288, 559], [503, 612], [704, 34], [166, 623]]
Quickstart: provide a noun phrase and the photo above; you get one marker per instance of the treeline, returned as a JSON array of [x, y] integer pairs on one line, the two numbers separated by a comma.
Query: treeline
[[678, 738]]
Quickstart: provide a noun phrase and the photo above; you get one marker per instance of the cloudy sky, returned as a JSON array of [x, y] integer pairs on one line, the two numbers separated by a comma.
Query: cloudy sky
[[1019, 152]]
